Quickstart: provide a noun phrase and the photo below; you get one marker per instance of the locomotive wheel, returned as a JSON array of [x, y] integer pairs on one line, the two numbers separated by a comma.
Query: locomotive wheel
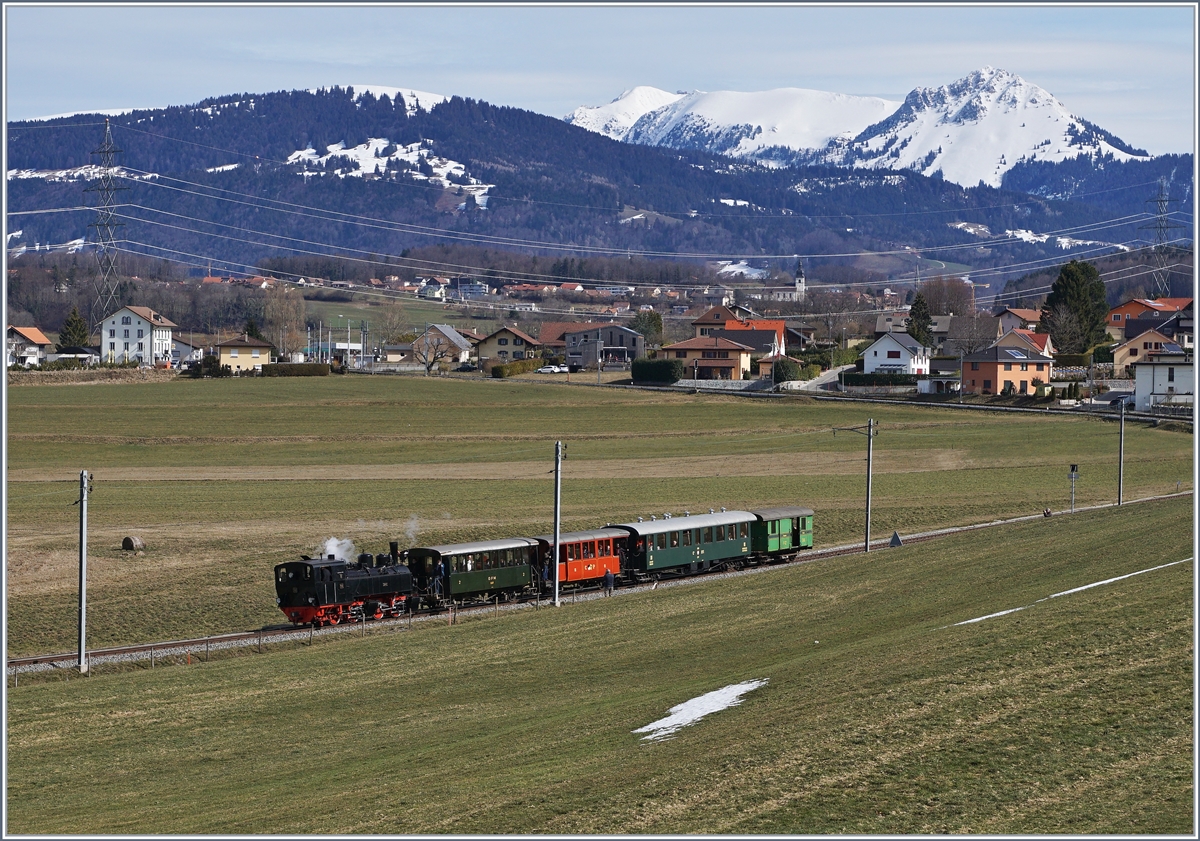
[[332, 620]]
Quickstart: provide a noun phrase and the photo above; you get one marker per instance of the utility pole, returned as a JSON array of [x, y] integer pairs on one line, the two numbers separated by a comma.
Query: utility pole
[[870, 431], [558, 457], [1121, 459], [82, 503]]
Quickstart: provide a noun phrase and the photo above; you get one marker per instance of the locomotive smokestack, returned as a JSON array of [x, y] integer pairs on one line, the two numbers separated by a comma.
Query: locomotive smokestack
[[394, 547]]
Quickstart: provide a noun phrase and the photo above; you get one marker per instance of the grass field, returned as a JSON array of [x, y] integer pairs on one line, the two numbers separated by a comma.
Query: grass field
[[225, 479], [881, 716]]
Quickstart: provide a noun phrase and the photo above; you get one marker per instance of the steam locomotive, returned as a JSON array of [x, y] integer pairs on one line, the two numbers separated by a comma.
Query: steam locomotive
[[329, 590]]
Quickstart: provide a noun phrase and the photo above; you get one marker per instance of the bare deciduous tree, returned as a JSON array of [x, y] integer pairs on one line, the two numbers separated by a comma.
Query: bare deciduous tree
[[1065, 330], [431, 348], [391, 321], [284, 318]]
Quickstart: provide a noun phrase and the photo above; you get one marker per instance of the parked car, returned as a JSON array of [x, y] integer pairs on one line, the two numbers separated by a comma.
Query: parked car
[[466, 367], [549, 369]]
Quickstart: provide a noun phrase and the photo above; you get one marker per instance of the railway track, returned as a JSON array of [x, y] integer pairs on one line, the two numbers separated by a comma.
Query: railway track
[[201, 647]]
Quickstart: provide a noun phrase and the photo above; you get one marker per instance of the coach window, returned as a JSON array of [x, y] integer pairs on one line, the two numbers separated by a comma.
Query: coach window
[[662, 540], [687, 537], [570, 551], [674, 539], [720, 533], [708, 535], [745, 530]]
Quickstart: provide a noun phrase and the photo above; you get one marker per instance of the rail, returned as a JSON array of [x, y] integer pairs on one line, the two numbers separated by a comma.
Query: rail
[[276, 633]]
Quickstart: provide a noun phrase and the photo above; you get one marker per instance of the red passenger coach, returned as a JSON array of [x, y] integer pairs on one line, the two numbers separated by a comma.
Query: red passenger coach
[[583, 556]]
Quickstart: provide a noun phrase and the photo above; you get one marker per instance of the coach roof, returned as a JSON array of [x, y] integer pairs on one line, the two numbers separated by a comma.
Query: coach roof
[[699, 521]]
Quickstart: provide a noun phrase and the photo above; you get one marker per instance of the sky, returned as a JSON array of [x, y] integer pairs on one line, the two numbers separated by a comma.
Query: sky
[[1127, 68]]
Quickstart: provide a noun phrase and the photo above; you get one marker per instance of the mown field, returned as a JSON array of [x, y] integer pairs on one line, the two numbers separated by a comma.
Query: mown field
[[225, 479], [880, 715]]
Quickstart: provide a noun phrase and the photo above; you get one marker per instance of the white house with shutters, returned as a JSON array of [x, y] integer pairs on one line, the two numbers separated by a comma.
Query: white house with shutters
[[136, 334], [1164, 379], [896, 353]]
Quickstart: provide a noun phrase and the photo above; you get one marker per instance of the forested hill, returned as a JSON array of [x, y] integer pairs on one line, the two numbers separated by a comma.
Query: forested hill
[[546, 184]]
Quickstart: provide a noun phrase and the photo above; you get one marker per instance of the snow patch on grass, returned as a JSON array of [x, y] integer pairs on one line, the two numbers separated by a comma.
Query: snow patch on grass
[[689, 712]]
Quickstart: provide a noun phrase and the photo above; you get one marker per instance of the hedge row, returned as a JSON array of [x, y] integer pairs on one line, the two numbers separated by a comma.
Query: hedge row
[[878, 378], [296, 369], [519, 366], [667, 371], [1073, 360]]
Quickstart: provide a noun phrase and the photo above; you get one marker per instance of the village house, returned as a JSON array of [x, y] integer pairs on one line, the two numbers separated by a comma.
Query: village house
[[1039, 342], [136, 334], [711, 358], [1139, 308], [998, 369], [1016, 318], [896, 353], [1135, 350], [1164, 379], [1179, 325], [611, 343], [507, 344], [245, 353], [441, 341], [26, 346]]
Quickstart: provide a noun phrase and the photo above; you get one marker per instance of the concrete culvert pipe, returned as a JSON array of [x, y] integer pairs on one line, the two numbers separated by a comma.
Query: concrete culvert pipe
[[132, 543]]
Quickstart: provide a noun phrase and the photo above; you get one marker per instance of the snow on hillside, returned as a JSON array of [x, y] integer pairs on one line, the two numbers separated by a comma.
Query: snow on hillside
[[413, 100], [976, 129], [617, 117], [89, 172], [367, 158], [746, 123]]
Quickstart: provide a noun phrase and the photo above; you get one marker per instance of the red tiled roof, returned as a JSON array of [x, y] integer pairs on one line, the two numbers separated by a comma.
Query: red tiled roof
[[1038, 340], [1172, 304], [33, 334]]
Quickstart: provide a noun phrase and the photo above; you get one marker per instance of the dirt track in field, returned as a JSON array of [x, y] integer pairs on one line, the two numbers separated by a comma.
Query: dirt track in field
[[771, 464]]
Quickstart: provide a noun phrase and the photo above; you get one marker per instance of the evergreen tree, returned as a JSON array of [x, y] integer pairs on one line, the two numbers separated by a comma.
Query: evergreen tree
[[650, 324], [1079, 291], [252, 330], [74, 331], [919, 321]]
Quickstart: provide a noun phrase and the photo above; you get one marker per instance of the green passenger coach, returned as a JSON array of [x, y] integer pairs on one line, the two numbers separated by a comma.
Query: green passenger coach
[[687, 544], [474, 570], [784, 529]]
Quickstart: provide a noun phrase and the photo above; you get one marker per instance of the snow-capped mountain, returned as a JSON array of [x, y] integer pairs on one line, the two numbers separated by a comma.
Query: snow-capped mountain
[[617, 117], [973, 130], [976, 129], [734, 123]]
